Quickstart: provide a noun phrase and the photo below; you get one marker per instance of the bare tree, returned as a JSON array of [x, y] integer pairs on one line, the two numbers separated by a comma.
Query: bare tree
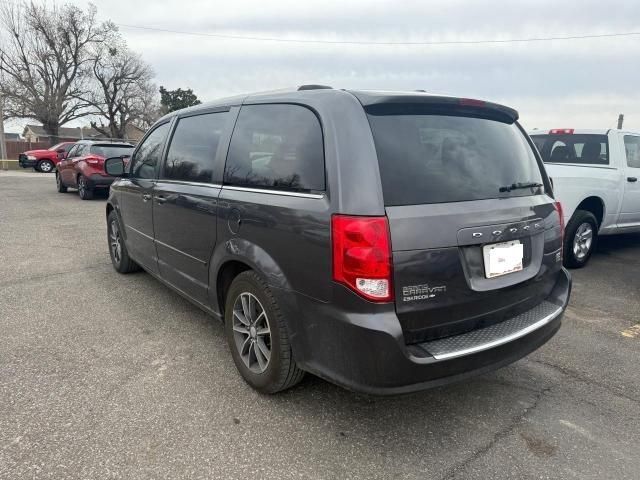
[[123, 94], [44, 61]]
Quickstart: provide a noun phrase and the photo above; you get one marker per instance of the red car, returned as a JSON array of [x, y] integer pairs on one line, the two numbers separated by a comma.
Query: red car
[[45, 160], [84, 166]]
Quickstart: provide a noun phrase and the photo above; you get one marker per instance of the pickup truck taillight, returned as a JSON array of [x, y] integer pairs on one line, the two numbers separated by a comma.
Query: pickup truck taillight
[[362, 255], [558, 206]]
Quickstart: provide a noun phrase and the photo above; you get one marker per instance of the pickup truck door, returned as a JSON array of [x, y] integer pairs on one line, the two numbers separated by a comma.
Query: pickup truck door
[[630, 211]]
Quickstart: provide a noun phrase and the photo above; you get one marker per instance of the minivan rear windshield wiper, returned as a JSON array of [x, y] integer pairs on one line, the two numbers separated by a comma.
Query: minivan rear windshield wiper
[[516, 186]]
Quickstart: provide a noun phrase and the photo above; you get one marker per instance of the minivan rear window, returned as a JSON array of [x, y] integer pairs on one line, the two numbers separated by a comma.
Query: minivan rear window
[[427, 158], [583, 149]]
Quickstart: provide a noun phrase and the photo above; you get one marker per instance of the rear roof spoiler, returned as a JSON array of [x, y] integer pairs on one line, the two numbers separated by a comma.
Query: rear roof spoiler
[[392, 102]]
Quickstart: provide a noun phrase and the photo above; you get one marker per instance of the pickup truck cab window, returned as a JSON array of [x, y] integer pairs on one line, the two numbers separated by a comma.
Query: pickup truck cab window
[[586, 149]]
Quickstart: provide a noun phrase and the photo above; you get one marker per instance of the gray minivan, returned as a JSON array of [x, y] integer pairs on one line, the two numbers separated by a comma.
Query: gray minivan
[[384, 241]]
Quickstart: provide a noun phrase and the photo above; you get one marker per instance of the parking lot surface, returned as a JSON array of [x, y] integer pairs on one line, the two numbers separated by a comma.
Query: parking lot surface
[[111, 376]]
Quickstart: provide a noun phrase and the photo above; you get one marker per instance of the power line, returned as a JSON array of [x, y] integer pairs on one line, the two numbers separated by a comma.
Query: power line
[[388, 43], [364, 42]]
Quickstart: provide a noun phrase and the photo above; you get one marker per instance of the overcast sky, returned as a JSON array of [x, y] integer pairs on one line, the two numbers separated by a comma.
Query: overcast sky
[[570, 83]]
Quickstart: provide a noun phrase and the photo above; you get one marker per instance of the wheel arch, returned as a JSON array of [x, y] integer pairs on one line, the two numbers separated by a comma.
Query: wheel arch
[[234, 257], [112, 207], [595, 205]]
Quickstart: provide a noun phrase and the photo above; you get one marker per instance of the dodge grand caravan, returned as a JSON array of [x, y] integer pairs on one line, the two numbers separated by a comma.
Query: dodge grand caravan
[[386, 242]]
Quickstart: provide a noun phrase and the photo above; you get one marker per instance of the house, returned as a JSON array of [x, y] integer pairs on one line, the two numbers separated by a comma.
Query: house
[[36, 133], [12, 137]]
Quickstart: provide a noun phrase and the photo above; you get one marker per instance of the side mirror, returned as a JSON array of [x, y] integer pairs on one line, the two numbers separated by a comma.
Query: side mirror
[[114, 166]]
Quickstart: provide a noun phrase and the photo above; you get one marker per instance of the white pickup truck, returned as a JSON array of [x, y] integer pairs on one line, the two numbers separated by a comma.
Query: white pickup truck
[[596, 178]]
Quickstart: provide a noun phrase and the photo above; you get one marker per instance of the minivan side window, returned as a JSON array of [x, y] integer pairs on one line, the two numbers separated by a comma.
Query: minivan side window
[[148, 154], [276, 147], [193, 147], [632, 149]]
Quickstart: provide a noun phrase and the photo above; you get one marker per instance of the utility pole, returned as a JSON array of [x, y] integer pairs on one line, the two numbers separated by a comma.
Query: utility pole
[[620, 120], [3, 145]]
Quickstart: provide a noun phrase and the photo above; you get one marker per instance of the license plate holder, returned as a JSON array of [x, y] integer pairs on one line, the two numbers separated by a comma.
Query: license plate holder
[[502, 258]]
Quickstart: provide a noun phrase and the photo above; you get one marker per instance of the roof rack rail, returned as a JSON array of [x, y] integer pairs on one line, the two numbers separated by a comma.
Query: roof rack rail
[[314, 87], [420, 90]]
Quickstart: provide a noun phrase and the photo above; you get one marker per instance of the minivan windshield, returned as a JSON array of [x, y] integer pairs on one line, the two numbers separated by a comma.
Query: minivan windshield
[[426, 158]]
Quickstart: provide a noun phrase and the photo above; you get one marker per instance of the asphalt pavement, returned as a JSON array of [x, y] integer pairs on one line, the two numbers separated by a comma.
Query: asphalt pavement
[[108, 376]]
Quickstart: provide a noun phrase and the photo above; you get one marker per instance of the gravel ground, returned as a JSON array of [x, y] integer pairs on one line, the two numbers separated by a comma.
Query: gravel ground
[[105, 376]]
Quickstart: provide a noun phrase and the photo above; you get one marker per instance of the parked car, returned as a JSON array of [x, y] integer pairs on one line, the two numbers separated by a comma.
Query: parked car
[[387, 242], [84, 167], [45, 160], [595, 175]]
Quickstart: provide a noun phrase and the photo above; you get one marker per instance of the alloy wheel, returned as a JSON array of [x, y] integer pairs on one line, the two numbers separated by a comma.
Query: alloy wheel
[[46, 167], [582, 241], [82, 187], [115, 242], [251, 332]]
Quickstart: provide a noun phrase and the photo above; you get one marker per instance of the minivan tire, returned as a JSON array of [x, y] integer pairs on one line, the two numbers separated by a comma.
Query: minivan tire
[[577, 251], [119, 257], [281, 371]]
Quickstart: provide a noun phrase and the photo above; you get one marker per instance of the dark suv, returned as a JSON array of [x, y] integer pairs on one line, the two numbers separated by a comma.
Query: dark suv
[[386, 242]]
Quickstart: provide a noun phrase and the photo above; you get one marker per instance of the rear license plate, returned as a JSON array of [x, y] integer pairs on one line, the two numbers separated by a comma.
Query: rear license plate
[[502, 258]]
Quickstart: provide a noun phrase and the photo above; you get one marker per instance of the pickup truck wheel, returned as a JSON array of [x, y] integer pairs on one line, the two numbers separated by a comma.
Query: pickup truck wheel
[[45, 166], [117, 249], [85, 192], [257, 336], [59, 184], [580, 239]]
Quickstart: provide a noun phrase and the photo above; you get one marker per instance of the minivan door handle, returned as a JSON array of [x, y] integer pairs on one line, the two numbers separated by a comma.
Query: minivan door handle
[[632, 179], [146, 197], [160, 199]]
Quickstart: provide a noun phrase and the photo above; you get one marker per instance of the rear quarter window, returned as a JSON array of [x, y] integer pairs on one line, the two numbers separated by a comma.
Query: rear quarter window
[[427, 158], [276, 147]]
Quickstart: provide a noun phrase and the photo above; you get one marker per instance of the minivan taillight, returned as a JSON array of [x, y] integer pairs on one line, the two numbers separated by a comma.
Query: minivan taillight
[[362, 255]]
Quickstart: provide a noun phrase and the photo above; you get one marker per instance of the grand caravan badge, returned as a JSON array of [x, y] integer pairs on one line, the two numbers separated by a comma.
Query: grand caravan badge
[[421, 292]]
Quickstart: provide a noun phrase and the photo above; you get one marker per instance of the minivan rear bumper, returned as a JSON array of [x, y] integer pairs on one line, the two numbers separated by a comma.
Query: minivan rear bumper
[[367, 352]]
